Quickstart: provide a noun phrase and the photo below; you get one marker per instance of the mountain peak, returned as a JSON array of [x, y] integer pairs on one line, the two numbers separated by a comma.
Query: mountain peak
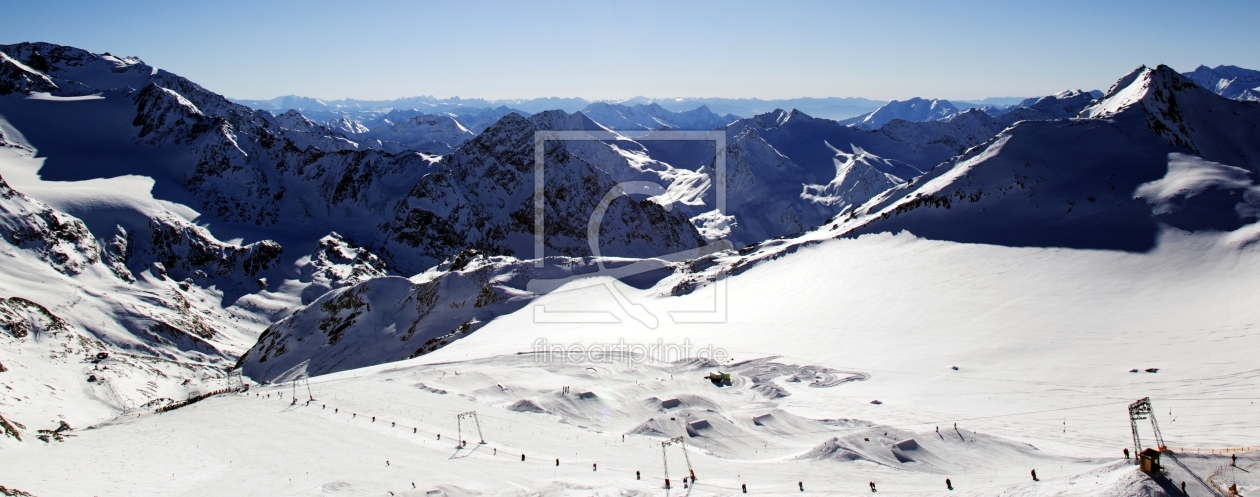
[[1143, 86], [915, 110], [772, 119]]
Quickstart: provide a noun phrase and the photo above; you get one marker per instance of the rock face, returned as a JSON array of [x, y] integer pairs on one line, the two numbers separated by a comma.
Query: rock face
[[482, 197], [59, 240], [18, 77]]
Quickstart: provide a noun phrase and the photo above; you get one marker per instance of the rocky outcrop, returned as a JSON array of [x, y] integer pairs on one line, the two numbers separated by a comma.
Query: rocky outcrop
[[58, 239]]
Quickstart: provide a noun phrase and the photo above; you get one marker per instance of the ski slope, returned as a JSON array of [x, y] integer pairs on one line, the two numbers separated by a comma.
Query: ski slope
[[1043, 339]]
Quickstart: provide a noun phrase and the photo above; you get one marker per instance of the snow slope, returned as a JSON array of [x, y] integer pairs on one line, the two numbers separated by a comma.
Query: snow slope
[[1043, 340]]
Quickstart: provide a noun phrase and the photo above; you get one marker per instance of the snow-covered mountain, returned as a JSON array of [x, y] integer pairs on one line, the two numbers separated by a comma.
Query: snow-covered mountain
[[478, 121], [786, 172], [89, 326], [1061, 105], [166, 225], [1156, 150], [436, 134], [475, 120], [346, 126], [976, 126], [789, 177], [482, 197], [916, 109], [402, 130], [1052, 182], [1228, 81], [387, 319], [654, 117]]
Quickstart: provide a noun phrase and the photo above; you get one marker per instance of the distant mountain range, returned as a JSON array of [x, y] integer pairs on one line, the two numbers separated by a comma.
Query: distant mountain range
[[323, 110]]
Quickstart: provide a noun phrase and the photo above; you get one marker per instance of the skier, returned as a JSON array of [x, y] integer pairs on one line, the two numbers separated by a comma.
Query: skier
[[1234, 461], [1034, 474], [948, 484], [872, 487], [557, 461], [594, 467], [743, 486], [387, 463], [522, 457], [801, 484], [637, 476], [1126, 454]]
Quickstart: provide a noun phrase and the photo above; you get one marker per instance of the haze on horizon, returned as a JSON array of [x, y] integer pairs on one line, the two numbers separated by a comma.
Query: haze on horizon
[[616, 50]]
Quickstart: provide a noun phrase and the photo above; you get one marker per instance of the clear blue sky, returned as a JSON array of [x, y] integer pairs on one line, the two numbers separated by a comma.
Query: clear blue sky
[[594, 49]]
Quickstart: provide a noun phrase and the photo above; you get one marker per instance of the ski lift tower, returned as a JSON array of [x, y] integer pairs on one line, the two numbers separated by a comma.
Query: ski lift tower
[[236, 382], [293, 376], [681, 442], [1138, 411], [459, 427]]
